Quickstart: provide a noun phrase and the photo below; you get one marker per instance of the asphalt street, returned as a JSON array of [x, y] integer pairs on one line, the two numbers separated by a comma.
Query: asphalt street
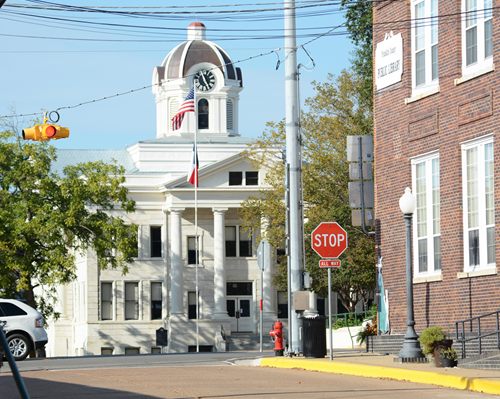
[[203, 376]]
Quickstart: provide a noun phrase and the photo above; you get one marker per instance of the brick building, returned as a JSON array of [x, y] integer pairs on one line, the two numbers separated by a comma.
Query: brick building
[[436, 120]]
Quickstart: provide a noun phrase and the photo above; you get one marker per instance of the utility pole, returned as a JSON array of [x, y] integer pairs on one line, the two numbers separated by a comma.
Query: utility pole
[[295, 222]]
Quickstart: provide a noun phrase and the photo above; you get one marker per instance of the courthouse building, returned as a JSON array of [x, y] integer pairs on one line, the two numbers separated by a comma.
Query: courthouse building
[[105, 312], [436, 107]]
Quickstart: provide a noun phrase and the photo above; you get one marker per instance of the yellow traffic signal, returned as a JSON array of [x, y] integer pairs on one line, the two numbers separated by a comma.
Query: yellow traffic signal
[[44, 132]]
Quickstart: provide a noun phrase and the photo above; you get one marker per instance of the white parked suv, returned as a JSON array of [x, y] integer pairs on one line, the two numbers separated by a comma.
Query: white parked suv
[[23, 327]]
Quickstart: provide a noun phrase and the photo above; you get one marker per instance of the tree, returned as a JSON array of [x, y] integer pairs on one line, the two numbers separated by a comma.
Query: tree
[[358, 17], [46, 219], [336, 111]]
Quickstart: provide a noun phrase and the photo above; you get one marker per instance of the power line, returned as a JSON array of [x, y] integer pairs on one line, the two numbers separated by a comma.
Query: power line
[[134, 90]]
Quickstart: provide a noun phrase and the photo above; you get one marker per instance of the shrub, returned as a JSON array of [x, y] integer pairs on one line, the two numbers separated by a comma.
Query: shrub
[[429, 337]]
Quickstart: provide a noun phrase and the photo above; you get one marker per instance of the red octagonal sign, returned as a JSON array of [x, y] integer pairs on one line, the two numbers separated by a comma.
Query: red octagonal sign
[[329, 240]]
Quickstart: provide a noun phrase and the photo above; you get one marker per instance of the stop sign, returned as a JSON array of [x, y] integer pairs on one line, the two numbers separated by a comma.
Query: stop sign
[[329, 240]]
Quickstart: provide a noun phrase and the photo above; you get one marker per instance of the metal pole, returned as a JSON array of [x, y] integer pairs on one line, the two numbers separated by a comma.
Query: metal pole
[[292, 145], [410, 352], [330, 332], [13, 366], [262, 300], [288, 269], [197, 289]]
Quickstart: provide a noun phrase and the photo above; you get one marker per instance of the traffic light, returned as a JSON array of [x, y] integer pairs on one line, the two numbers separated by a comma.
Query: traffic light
[[44, 132]]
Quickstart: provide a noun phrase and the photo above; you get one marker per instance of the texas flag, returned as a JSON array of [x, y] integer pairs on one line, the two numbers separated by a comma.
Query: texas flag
[[193, 174]]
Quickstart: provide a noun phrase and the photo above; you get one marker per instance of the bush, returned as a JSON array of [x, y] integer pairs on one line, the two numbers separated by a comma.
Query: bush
[[430, 337]]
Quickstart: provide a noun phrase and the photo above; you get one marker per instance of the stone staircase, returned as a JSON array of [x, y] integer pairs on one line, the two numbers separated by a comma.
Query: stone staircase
[[247, 342], [489, 358]]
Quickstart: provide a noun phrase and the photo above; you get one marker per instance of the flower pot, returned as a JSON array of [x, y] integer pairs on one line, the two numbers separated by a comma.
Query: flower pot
[[445, 362], [439, 361]]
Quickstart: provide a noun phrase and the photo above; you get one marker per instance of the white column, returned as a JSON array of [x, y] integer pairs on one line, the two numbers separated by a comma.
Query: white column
[[177, 265], [220, 310]]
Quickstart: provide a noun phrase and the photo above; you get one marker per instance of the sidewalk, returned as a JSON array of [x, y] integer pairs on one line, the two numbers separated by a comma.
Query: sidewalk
[[383, 366]]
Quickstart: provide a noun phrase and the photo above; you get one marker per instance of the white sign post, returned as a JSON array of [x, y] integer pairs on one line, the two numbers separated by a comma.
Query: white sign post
[[389, 60]]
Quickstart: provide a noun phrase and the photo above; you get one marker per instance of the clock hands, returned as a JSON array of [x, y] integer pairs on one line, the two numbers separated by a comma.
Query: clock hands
[[204, 79]]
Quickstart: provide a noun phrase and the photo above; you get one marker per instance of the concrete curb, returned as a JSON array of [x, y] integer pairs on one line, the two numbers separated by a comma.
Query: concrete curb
[[400, 374]]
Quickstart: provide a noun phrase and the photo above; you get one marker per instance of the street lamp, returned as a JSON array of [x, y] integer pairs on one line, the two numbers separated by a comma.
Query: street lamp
[[410, 352]]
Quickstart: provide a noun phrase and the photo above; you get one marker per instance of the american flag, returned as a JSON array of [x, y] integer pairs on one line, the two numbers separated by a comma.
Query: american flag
[[186, 106]]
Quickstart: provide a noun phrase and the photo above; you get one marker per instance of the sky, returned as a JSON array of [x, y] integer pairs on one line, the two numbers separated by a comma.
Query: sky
[[60, 55]]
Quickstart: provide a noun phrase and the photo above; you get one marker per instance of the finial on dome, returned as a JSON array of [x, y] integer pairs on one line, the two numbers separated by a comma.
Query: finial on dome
[[196, 31]]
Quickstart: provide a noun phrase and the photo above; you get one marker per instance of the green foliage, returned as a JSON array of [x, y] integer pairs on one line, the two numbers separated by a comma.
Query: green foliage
[[448, 353], [335, 112], [429, 337], [358, 16], [47, 219]]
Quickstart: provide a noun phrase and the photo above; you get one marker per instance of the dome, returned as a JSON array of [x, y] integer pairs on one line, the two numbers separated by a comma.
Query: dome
[[196, 50]]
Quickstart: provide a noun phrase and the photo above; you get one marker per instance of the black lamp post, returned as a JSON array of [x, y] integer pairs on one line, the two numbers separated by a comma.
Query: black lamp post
[[410, 352]]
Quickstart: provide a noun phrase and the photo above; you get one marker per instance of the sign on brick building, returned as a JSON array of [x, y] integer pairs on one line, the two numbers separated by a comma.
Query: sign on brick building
[[389, 60]]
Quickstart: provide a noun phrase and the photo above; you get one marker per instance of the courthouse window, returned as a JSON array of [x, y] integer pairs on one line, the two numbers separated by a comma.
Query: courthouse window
[[155, 241], [478, 204], [156, 300], [131, 301], [230, 233], [427, 216], [245, 242], [106, 301]]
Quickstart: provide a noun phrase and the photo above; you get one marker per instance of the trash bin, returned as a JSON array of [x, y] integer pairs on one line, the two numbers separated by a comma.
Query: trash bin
[[314, 336]]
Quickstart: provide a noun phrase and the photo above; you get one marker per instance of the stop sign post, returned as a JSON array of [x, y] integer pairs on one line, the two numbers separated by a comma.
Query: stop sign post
[[329, 240]]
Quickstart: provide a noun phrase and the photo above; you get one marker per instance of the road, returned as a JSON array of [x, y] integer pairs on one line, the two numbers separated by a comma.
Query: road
[[200, 376]]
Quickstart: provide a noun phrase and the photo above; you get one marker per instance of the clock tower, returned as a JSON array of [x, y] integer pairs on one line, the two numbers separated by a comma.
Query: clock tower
[[206, 66]]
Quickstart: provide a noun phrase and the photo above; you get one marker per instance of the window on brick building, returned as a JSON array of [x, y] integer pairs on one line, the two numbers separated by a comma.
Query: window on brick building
[[427, 216], [477, 36], [424, 42], [478, 204]]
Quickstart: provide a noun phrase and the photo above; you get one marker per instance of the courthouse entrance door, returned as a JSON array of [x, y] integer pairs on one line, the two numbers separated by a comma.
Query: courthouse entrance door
[[240, 306]]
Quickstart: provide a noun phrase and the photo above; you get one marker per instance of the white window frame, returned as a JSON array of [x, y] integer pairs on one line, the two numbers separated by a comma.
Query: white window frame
[[482, 226], [238, 229], [429, 22], [112, 301], [136, 300], [483, 64], [432, 215]]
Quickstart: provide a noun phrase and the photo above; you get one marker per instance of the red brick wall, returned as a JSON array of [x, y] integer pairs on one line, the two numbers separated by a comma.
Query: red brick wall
[[439, 122]]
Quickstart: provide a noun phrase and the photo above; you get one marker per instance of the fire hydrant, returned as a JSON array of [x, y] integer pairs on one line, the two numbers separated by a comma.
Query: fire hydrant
[[277, 337]]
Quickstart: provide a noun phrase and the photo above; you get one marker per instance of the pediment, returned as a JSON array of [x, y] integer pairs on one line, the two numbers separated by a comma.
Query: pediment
[[216, 175]]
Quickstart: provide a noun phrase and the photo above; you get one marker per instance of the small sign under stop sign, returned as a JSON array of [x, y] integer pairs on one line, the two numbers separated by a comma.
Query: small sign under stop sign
[[333, 263]]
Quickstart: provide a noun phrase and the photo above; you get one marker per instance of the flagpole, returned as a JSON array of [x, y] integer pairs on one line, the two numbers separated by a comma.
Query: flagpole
[[196, 219]]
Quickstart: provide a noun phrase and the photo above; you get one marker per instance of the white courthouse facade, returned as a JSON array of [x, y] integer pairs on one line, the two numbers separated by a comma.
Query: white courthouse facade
[[106, 312]]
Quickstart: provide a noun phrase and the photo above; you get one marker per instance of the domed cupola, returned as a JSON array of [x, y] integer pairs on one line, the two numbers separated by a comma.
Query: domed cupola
[[206, 66]]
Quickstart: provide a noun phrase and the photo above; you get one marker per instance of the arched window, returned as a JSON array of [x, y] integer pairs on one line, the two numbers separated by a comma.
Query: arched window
[[229, 115], [203, 114]]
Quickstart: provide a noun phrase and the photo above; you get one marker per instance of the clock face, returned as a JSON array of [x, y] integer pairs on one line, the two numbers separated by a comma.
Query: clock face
[[204, 80]]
